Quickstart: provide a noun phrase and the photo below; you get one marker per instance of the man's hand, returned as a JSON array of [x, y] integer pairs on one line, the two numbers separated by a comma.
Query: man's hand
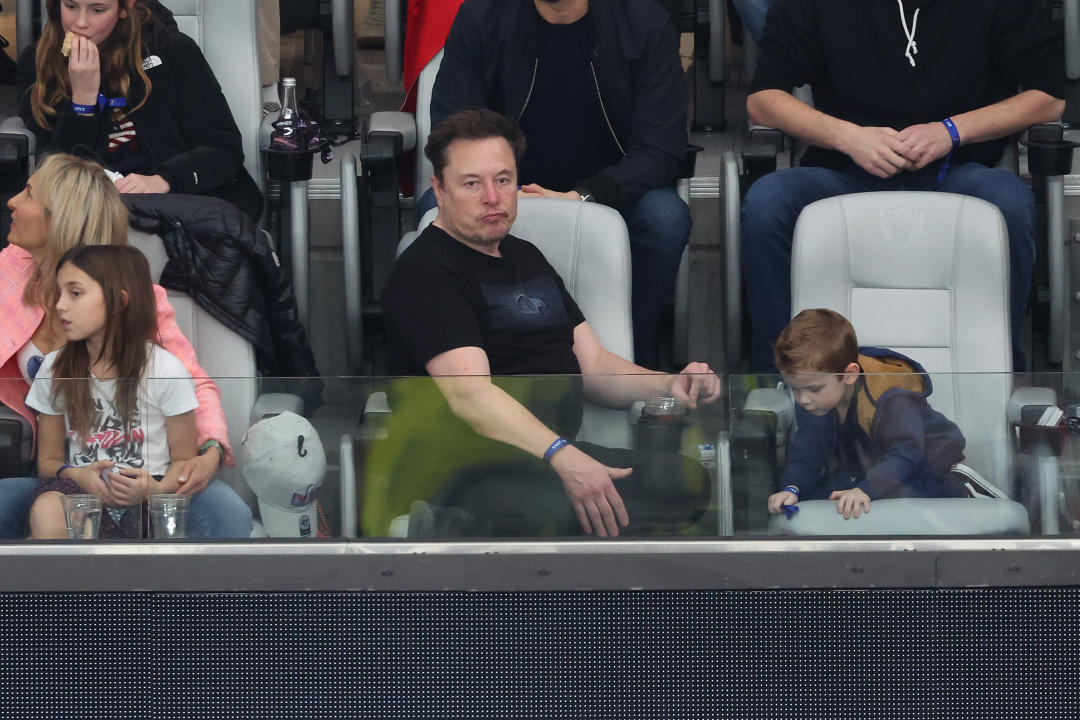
[[84, 71], [696, 382], [592, 493], [927, 142], [140, 184], [878, 150], [195, 473], [532, 190], [776, 500], [130, 486], [851, 502]]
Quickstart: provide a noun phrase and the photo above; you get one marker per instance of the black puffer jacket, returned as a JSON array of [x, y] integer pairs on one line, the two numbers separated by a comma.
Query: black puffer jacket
[[221, 259]]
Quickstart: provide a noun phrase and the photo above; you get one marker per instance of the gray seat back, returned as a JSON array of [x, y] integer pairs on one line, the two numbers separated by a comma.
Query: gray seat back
[[224, 355], [424, 85], [226, 31], [926, 274], [588, 246]]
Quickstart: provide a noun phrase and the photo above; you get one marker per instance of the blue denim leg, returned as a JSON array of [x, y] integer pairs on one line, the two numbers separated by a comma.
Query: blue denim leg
[[218, 512], [768, 217], [659, 228], [752, 13], [425, 203], [16, 496], [1014, 198]]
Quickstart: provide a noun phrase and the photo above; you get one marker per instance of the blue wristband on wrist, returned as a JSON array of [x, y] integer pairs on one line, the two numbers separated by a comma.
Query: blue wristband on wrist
[[61, 469], [83, 109], [954, 135], [791, 489], [554, 447]]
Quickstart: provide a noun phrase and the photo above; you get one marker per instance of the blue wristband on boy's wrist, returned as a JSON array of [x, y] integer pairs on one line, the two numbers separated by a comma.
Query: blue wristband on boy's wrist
[[791, 489], [554, 447]]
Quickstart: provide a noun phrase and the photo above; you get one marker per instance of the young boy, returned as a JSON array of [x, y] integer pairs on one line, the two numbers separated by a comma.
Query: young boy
[[865, 430]]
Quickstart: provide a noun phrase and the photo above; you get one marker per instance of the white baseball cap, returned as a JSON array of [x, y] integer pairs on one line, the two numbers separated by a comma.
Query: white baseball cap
[[284, 464]]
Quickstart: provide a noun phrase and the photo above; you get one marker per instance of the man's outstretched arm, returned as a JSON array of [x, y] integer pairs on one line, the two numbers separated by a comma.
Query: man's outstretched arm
[[463, 375], [616, 382]]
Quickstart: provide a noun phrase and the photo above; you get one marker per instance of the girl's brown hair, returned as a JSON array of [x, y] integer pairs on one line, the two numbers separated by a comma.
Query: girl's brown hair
[[130, 322], [120, 56], [82, 207]]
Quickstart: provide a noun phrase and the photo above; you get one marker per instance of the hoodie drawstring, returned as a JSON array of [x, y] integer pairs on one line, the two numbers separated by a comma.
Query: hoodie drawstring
[[912, 49]]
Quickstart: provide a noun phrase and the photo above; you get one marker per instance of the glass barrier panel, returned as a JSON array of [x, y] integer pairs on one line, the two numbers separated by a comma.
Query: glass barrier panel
[[462, 458]]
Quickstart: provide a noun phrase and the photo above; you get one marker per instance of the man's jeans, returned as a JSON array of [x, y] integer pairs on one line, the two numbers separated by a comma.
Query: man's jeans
[[659, 229], [752, 13], [216, 512], [774, 202]]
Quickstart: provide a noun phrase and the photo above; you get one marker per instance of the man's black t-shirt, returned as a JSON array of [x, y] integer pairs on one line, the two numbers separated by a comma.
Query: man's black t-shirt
[[853, 53], [567, 138]]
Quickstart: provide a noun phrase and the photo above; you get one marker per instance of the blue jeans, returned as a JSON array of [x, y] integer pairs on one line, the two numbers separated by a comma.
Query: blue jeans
[[774, 202], [752, 13], [216, 512], [659, 228]]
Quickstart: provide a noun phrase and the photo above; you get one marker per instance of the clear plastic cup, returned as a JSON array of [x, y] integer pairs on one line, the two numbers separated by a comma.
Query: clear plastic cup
[[169, 514], [83, 516]]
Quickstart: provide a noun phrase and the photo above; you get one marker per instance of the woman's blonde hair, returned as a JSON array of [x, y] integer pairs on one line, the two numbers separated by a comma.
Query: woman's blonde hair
[[120, 57], [82, 207]]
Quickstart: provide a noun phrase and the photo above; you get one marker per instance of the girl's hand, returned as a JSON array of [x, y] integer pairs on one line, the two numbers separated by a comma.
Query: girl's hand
[[84, 71], [88, 478], [196, 472], [142, 184], [130, 486]]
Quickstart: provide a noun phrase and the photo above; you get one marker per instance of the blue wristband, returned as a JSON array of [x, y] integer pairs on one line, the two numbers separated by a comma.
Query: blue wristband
[[83, 109], [954, 135], [61, 469], [554, 447], [791, 489]]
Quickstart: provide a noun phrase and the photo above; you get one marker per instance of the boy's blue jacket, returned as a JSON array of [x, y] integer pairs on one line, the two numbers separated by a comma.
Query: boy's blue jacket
[[892, 443]]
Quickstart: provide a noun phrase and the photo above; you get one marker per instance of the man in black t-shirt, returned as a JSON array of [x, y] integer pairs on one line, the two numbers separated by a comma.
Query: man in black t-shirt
[[599, 90], [466, 302], [911, 95]]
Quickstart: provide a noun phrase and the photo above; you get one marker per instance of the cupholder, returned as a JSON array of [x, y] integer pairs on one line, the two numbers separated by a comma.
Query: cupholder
[[1050, 157]]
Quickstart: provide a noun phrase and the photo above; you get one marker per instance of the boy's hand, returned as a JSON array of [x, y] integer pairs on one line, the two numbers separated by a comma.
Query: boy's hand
[[130, 486], [851, 502], [777, 500]]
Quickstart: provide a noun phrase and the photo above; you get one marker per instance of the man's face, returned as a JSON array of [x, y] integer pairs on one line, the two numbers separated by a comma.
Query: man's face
[[477, 194]]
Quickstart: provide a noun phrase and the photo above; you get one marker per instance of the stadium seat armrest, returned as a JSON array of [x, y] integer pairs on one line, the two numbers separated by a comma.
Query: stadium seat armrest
[[14, 125], [1026, 401], [274, 404], [393, 123], [775, 402]]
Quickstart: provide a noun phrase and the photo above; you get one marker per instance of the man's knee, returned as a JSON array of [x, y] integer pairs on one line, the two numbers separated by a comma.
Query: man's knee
[[660, 218], [220, 513]]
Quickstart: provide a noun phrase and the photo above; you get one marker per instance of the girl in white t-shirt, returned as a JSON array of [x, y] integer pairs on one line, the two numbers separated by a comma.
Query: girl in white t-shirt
[[124, 405]]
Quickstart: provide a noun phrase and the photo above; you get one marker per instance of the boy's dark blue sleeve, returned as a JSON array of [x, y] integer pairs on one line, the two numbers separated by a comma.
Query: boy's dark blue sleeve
[[900, 430], [806, 458]]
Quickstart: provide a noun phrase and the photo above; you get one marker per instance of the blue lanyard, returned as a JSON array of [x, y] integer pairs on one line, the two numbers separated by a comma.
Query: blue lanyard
[[955, 135], [111, 102]]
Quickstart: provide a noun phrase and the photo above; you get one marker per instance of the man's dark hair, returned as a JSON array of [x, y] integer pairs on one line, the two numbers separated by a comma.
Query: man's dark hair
[[472, 125]]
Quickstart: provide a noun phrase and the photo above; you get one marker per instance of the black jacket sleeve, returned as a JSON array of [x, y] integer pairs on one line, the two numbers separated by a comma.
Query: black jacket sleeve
[[205, 123], [460, 83], [653, 150]]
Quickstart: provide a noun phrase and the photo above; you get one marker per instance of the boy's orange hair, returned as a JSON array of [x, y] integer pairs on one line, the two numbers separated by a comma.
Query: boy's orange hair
[[816, 341]]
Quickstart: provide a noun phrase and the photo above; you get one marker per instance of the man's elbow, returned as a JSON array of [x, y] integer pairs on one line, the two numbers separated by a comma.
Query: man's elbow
[[754, 108], [1055, 109]]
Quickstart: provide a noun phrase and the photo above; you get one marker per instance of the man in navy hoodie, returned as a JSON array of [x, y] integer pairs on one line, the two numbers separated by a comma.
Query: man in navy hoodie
[[908, 95], [865, 429]]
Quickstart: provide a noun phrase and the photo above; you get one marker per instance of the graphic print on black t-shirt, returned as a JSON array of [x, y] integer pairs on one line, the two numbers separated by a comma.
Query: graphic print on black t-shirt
[[107, 435], [528, 305]]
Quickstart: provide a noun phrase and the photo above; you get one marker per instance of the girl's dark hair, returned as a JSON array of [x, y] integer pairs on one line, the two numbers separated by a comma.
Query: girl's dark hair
[[129, 323], [472, 125], [120, 56]]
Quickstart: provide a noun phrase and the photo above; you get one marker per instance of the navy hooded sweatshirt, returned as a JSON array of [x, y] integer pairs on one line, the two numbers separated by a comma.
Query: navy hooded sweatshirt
[[891, 444]]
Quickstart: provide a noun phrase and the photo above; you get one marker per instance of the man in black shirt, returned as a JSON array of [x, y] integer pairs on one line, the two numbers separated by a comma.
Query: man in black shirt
[[598, 88], [466, 302], [908, 95]]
